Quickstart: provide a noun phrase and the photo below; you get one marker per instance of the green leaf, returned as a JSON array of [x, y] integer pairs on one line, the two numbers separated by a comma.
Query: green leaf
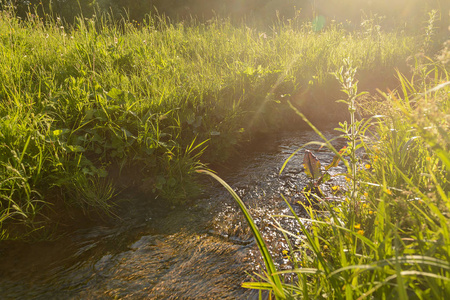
[[326, 177], [334, 163], [312, 165], [115, 93], [76, 148]]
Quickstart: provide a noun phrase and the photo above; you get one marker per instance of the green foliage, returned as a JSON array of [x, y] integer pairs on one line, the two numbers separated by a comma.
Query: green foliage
[[83, 100], [389, 237], [313, 170]]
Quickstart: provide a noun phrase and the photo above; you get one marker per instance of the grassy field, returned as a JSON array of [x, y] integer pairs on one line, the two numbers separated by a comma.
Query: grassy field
[[92, 108]]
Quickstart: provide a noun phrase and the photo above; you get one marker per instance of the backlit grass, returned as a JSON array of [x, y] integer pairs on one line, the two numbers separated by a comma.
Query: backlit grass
[[84, 104], [388, 235]]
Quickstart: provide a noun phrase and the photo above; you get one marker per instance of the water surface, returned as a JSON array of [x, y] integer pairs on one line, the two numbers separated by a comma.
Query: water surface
[[203, 251]]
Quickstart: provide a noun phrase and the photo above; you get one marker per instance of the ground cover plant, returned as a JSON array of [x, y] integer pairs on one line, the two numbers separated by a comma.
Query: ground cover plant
[[388, 237], [87, 104]]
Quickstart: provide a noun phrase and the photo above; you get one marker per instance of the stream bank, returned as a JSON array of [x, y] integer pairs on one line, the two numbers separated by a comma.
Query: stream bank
[[199, 252]]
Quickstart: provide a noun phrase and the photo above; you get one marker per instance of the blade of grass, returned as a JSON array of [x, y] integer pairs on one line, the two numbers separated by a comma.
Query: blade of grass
[[275, 280]]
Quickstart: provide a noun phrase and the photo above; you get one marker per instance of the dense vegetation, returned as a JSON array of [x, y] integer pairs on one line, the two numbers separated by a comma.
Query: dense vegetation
[[107, 100], [385, 232], [87, 104], [90, 106]]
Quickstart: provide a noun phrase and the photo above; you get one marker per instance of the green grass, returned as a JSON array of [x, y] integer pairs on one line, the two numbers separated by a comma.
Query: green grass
[[389, 236], [83, 101]]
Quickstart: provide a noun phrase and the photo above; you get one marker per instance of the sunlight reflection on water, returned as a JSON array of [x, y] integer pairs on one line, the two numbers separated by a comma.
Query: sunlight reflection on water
[[200, 252]]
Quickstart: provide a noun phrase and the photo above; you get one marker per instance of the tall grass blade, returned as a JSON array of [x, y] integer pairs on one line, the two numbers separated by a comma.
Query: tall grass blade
[[274, 279]]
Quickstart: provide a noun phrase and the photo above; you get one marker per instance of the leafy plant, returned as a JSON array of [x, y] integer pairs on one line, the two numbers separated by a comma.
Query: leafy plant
[[313, 170]]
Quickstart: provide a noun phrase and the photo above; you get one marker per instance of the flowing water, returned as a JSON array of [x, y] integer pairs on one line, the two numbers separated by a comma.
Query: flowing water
[[203, 251]]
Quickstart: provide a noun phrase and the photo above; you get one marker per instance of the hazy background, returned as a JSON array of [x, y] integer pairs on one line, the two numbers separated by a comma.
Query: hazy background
[[407, 13]]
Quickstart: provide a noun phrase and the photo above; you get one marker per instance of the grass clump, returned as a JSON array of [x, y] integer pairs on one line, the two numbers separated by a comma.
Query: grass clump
[[85, 105]]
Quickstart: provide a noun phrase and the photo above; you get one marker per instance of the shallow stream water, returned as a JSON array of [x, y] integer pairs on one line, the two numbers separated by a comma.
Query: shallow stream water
[[203, 251]]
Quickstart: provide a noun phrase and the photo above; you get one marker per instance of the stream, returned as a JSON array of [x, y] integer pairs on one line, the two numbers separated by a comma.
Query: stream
[[202, 251]]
